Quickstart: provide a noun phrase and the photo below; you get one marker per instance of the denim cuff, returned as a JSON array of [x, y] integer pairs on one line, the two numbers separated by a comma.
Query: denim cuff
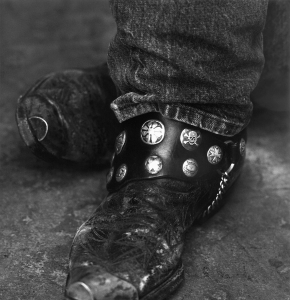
[[132, 105]]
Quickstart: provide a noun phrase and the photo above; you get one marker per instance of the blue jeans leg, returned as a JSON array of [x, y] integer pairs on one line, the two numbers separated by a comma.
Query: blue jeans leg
[[195, 61]]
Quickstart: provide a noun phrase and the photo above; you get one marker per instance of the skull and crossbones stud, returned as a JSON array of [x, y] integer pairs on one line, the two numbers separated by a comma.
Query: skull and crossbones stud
[[190, 139]]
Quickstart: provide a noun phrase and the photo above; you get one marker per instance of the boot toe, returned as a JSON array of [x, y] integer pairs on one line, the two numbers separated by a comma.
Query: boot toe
[[96, 283], [80, 291], [41, 126]]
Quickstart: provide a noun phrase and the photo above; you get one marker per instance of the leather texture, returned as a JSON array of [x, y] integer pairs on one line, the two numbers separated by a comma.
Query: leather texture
[[130, 248], [172, 151], [75, 105]]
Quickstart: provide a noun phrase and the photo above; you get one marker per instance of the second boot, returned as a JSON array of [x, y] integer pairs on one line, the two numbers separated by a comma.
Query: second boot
[[66, 116]]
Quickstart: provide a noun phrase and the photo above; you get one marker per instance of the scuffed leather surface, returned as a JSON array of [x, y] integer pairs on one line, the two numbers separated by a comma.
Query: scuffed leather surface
[[75, 104], [138, 233]]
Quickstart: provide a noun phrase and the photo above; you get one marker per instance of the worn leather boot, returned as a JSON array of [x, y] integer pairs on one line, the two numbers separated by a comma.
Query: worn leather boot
[[165, 176], [66, 116]]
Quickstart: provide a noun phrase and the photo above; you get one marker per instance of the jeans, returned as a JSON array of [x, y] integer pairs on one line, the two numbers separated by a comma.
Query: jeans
[[195, 61]]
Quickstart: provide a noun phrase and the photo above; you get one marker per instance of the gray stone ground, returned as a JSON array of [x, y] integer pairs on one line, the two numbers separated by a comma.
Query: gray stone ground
[[242, 253]]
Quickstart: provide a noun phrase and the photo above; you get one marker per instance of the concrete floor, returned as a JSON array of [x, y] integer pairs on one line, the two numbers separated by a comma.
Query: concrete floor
[[242, 253]]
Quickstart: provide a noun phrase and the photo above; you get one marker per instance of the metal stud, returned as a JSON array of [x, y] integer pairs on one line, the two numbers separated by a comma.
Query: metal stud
[[214, 154], [152, 132], [121, 172], [120, 142], [190, 139], [243, 147], [110, 175], [153, 164], [190, 167]]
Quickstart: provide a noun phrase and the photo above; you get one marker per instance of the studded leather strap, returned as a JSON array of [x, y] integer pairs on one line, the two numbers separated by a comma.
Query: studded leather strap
[[151, 146]]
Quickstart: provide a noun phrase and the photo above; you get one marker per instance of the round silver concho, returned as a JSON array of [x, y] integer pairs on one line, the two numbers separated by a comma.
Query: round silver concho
[[110, 175], [152, 132], [190, 139], [153, 164], [190, 167], [121, 172], [214, 154], [120, 142], [243, 147]]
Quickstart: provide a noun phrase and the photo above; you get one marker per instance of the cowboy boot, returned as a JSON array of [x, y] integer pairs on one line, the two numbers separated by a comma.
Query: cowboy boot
[[66, 116], [165, 176]]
